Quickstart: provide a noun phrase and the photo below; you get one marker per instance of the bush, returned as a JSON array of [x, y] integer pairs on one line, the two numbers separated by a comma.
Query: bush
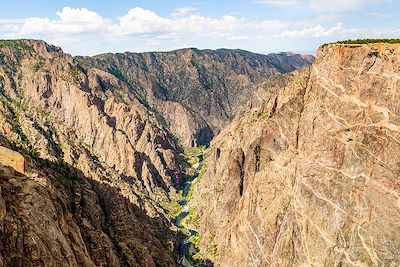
[[15, 44], [369, 41]]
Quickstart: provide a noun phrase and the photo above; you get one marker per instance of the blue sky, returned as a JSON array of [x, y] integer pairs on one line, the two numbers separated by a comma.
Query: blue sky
[[91, 27]]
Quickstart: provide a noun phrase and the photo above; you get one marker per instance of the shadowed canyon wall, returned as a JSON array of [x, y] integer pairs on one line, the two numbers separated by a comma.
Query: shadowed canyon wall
[[197, 91]]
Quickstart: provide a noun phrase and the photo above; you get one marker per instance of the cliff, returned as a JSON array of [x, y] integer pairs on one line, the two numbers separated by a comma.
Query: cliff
[[311, 176], [197, 91], [54, 215], [120, 163]]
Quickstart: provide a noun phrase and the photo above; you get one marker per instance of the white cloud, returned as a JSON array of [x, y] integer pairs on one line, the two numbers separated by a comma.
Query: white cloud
[[6, 21], [336, 5], [377, 14], [183, 11], [71, 20], [238, 38], [76, 24], [331, 6], [314, 32], [141, 29], [139, 21], [338, 32]]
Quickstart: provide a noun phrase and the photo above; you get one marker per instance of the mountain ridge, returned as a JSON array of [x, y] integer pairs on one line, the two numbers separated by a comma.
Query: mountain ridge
[[208, 87]]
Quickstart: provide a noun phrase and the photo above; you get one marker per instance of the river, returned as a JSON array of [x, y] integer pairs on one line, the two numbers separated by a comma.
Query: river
[[185, 246]]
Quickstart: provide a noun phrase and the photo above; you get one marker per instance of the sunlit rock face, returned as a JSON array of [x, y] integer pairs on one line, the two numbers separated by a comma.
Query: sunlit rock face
[[310, 177], [100, 165], [100, 159], [197, 91], [12, 159]]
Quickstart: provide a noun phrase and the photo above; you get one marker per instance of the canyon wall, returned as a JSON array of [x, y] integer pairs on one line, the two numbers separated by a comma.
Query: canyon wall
[[101, 166], [197, 91], [311, 176]]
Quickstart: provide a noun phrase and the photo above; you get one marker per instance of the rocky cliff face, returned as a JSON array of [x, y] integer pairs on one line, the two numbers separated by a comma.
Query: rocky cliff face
[[91, 128], [54, 215], [310, 177], [100, 165], [197, 91]]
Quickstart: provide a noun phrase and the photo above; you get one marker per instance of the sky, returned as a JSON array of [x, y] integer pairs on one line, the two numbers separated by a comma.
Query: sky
[[89, 27]]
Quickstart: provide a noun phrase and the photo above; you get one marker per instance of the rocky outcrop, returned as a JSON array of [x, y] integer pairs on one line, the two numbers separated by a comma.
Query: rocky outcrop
[[89, 127], [12, 159], [310, 177], [92, 121], [55, 216], [197, 91]]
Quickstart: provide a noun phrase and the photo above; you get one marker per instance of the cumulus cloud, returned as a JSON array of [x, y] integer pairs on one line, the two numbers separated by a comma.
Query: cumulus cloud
[[337, 31], [141, 28], [137, 22], [141, 21], [71, 20]]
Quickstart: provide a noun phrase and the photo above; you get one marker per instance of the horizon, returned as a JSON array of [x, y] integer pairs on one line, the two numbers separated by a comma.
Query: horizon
[[311, 52], [86, 28]]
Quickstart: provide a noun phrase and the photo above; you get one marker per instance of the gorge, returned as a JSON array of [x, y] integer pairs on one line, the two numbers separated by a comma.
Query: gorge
[[200, 157]]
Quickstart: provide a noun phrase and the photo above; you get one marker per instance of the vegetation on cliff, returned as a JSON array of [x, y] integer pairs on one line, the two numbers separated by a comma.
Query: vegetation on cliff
[[369, 41]]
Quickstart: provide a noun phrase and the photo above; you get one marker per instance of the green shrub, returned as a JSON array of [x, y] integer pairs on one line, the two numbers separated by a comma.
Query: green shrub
[[15, 44], [39, 64], [76, 75], [369, 41]]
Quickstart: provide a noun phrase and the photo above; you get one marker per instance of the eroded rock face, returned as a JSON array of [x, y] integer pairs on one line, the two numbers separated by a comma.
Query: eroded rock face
[[90, 120], [311, 177], [12, 159], [197, 91], [92, 124], [102, 162], [55, 216]]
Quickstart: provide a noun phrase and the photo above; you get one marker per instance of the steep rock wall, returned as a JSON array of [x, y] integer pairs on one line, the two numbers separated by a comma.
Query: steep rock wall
[[197, 91], [311, 177], [103, 166]]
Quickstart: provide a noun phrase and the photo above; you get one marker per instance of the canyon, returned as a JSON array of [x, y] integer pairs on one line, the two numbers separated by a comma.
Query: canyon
[[97, 178], [198, 92], [199, 157]]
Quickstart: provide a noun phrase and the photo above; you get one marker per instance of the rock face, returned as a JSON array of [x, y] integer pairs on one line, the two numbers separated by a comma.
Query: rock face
[[121, 165], [55, 216], [311, 176], [197, 91], [12, 159], [102, 164]]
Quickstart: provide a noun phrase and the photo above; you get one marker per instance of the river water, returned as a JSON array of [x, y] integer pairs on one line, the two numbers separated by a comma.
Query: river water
[[185, 246]]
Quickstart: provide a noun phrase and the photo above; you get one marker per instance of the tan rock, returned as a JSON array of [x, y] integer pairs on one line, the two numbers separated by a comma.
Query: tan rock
[[98, 146], [311, 177], [12, 159]]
